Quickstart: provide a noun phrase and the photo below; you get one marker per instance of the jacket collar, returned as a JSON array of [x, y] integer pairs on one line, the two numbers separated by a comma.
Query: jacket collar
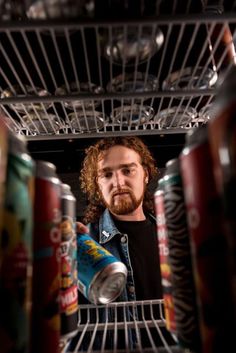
[[107, 228]]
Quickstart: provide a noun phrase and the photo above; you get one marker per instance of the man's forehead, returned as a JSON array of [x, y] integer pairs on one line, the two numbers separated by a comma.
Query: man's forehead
[[118, 155]]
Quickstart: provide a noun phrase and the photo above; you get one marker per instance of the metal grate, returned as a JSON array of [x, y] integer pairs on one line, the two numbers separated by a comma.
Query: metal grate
[[149, 328], [88, 76]]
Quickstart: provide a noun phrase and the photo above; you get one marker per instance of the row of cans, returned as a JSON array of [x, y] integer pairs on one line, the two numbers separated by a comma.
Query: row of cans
[[43, 262], [38, 257], [195, 208]]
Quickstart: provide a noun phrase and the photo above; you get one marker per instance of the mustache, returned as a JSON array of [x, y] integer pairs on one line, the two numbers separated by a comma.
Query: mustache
[[121, 191]]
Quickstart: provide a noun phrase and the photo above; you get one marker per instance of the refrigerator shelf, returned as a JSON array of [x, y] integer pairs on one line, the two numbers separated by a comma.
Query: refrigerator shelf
[[149, 324], [86, 75]]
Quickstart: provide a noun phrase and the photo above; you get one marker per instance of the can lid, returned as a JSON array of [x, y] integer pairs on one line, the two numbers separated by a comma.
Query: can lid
[[160, 184], [172, 166], [197, 136], [65, 188], [108, 284], [45, 169], [17, 143], [66, 192]]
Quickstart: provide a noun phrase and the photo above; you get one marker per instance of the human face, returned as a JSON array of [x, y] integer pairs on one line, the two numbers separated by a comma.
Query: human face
[[122, 180]]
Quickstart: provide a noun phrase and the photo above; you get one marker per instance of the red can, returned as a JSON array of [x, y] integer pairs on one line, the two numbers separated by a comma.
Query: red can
[[208, 244], [222, 136], [46, 265], [164, 259]]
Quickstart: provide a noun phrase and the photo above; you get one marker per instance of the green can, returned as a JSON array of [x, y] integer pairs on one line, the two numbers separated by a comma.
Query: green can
[[16, 250]]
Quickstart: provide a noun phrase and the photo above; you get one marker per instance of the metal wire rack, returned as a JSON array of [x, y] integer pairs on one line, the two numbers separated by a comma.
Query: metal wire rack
[[67, 71], [147, 324]]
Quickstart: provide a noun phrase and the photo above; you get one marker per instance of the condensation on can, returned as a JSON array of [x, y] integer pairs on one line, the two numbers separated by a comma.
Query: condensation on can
[[101, 276], [69, 277]]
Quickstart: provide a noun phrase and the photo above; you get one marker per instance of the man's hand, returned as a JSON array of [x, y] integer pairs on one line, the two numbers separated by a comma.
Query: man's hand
[[81, 228]]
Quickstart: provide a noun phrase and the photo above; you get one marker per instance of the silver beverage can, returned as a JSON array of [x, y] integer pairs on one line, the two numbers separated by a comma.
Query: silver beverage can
[[69, 290], [101, 276]]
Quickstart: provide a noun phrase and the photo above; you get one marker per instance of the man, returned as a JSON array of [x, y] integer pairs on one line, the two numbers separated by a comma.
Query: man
[[120, 214], [115, 176]]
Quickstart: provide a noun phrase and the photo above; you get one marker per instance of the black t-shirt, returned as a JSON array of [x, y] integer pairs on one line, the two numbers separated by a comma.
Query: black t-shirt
[[144, 257]]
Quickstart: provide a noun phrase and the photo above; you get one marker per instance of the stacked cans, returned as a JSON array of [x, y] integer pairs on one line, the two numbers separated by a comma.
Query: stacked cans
[[208, 241], [41, 268], [198, 193], [176, 263]]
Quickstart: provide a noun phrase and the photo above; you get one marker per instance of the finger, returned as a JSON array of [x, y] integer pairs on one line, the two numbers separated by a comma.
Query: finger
[[81, 228]]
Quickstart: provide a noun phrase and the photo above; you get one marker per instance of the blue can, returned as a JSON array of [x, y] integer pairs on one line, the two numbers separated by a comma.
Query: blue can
[[101, 276]]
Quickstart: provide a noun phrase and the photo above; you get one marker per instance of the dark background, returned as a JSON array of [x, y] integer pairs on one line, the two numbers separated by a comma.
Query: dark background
[[68, 155]]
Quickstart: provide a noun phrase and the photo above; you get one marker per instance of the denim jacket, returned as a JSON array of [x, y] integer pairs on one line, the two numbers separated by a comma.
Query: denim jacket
[[106, 234]]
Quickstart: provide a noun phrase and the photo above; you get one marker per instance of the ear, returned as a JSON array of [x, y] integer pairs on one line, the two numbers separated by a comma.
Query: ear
[[146, 179]]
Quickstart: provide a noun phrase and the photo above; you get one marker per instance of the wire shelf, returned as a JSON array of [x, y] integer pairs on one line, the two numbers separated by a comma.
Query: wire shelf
[[149, 73], [147, 323]]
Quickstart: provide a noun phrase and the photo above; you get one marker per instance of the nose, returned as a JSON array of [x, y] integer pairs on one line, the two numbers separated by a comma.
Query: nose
[[118, 179]]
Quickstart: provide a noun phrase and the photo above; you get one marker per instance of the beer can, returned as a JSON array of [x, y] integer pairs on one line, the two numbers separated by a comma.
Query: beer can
[[101, 276], [166, 280], [46, 265], [69, 290], [16, 250], [222, 137], [208, 242], [183, 286]]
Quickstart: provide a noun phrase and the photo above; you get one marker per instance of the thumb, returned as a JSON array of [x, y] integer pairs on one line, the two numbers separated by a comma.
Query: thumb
[[81, 228]]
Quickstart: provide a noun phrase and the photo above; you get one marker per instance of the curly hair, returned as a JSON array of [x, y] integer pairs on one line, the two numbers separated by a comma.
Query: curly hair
[[88, 176]]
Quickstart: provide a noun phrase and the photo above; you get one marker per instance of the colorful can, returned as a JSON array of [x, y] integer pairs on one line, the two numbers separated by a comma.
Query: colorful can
[[16, 250], [164, 258], [46, 265], [69, 290], [183, 286], [101, 276], [208, 244]]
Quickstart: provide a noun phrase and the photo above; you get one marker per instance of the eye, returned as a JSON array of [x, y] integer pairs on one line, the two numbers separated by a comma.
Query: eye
[[106, 175], [128, 171]]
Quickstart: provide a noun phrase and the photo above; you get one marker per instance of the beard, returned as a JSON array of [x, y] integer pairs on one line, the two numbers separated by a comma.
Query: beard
[[123, 202]]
